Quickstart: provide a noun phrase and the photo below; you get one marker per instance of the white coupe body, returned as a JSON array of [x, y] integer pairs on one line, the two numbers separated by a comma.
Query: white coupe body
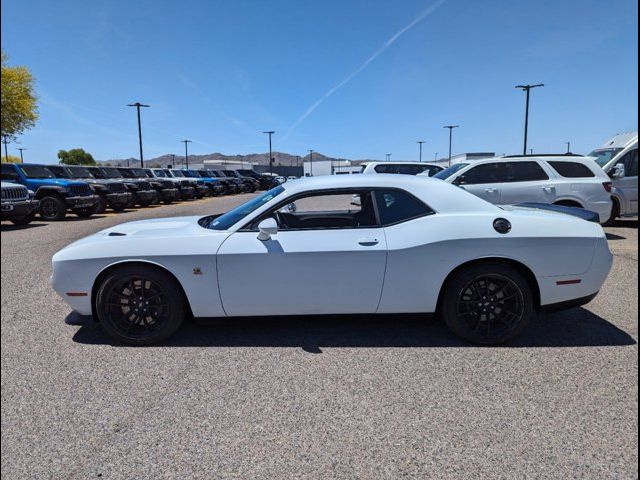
[[396, 261]]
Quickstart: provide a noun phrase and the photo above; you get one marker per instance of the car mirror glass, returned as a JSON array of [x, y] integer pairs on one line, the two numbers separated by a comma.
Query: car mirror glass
[[267, 228]]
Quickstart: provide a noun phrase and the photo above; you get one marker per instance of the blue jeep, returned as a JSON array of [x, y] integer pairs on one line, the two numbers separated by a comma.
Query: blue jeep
[[55, 195]]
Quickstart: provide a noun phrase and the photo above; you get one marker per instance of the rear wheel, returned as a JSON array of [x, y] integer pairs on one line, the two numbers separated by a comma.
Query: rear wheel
[[488, 303], [140, 305], [52, 208], [615, 213]]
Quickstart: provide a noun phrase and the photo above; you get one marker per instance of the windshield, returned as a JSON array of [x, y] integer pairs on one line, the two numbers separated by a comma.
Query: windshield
[[447, 172], [229, 173], [127, 173], [36, 171], [140, 172], [249, 173], [160, 173], [604, 156], [80, 172], [111, 172], [204, 173], [97, 173], [232, 217], [177, 173]]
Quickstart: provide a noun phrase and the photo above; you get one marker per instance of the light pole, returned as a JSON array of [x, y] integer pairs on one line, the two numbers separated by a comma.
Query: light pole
[[5, 141], [173, 161], [186, 151], [270, 132], [435, 157], [420, 142], [527, 90], [21, 156], [388, 155], [450, 127], [568, 147], [139, 105], [310, 163]]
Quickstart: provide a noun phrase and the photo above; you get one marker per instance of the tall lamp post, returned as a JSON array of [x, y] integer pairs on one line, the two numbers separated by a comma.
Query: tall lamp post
[[420, 142], [388, 155], [186, 151], [527, 90], [450, 127], [568, 147], [138, 106], [21, 156], [270, 132], [310, 162]]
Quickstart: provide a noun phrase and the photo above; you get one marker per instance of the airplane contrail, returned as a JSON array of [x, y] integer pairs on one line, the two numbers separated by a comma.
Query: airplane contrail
[[364, 65]]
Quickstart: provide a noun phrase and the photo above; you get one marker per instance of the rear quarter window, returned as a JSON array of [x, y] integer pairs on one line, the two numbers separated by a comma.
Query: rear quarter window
[[572, 170], [395, 206]]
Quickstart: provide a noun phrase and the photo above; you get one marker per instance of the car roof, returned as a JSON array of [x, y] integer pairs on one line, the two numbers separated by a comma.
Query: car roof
[[525, 158], [398, 163], [439, 195]]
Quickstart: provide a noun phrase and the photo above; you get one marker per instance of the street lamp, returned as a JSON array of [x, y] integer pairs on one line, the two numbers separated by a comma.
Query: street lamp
[[139, 105], [21, 157], [420, 142], [388, 155], [270, 132], [568, 147], [310, 162], [527, 90], [450, 127], [186, 151]]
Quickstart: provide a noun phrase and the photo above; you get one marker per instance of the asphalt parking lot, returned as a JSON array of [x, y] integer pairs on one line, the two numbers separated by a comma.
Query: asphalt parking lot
[[318, 397]]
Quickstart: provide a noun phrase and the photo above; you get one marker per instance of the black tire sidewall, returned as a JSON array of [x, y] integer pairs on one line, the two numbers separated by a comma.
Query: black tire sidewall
[[61, 208], [462, 278], [169, 284]]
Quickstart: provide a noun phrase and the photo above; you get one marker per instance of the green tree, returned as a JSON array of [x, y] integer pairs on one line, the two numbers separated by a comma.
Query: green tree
[[11, 159], [76, 156], [19, 102]]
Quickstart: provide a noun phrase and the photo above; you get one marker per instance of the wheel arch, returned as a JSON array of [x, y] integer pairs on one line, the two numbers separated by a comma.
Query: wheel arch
[[568, 202], [45, 190], [526, 272], [145, 263]]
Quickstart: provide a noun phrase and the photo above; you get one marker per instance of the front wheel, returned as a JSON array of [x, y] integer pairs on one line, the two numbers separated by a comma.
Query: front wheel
[[52, 208], [102, 204], [488, 304], [140, 305], [23, 220]]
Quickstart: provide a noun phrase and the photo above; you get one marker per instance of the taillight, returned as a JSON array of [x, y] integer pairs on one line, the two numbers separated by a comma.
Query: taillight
[[607, 186]]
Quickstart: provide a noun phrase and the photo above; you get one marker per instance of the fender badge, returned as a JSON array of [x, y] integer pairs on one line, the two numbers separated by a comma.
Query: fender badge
[[197, 271]]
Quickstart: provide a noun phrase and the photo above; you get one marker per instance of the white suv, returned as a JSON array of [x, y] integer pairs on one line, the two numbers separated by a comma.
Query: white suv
[[404, 168], [567, 180]]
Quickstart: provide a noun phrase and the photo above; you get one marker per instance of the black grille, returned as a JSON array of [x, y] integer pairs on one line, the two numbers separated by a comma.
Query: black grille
[[166, 184], [117, 187], [144, 185], [15, 193], [80, 190]]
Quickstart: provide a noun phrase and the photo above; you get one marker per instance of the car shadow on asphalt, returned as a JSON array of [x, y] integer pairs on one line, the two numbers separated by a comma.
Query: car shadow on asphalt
[[11, 227], [572, 328]]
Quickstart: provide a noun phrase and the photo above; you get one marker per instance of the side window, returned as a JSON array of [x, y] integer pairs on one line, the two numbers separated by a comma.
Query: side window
[[395, 206], [386, 169], [524, 172], [631, 164], [331, 210], [410, 169], [485, 173], [572, 170], [8, 173]]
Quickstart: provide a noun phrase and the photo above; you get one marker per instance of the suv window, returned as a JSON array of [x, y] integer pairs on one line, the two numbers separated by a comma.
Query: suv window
[[401, 169], [524, 172], [504, 172], [395, 206], [8, 173], [485, 173], [572, 170], [630, 162]]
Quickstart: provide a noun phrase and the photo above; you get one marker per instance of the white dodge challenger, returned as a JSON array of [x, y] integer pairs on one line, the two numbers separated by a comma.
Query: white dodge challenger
[[409, 245]]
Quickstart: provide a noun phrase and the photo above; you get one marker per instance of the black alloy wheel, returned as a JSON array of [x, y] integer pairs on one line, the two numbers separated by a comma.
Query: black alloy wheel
[[488, 304], [140, 305], [52, 208]]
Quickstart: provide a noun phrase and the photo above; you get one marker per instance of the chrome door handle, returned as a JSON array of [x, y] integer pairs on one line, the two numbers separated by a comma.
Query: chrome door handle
[[548, 189], [490, 190], [368, 242]]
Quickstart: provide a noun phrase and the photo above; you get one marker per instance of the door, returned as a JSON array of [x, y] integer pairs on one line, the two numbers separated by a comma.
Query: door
[[328, 257], [526, 181], [628, 185], [483, 181]]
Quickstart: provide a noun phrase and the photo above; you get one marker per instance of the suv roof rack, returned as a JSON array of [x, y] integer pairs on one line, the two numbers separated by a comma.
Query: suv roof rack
[[545, 155]]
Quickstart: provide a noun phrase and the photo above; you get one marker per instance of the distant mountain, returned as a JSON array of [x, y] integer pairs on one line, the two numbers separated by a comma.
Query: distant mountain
[[280, 158]]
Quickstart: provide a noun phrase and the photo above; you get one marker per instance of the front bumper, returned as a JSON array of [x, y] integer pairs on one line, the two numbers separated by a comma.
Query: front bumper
[[203, 190], [187, 192], [170, 194], [86, 201], [118, 199], [145, 196], [19, 209]]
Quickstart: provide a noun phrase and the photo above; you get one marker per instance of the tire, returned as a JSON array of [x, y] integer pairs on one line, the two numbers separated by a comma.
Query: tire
[[24, 220], [615, 213], [84, 212], [120, 307], [487, 304], [52, 208], [102, 204], [119, 207]]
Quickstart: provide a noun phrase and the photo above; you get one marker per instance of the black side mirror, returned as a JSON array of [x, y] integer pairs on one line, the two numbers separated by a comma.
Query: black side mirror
[[459, 180]]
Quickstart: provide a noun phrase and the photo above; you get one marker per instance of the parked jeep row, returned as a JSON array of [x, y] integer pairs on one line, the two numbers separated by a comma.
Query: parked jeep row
[[53, 191]]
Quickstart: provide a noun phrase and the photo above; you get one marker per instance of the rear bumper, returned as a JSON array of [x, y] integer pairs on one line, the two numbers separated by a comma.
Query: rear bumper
[[86, 201], [568, 304]]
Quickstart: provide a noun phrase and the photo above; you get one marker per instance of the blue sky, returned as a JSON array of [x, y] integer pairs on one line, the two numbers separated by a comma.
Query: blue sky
[[353, 79]]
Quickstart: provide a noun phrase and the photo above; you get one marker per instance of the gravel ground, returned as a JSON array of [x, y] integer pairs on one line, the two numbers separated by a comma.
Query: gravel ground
[[336, 397]]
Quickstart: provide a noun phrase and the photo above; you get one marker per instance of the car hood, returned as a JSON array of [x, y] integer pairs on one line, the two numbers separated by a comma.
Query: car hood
[[54, 181], [146, 238]]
